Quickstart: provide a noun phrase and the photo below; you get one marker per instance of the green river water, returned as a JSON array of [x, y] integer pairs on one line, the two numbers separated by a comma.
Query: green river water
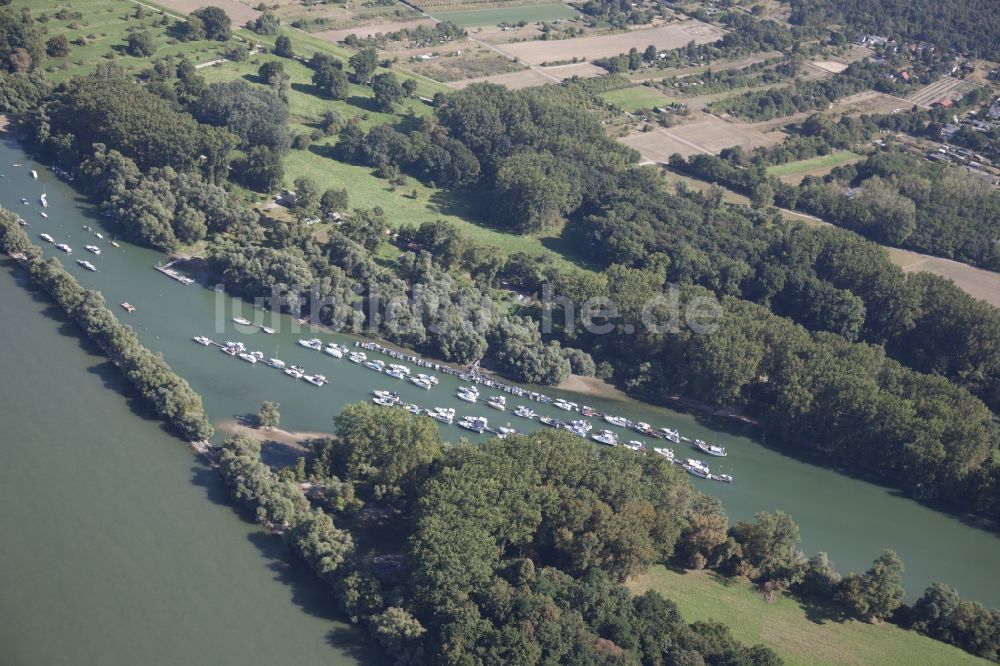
[[114, 537]]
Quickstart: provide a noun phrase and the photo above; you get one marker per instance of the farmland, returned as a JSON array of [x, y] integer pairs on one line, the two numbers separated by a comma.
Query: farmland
[[800, 632], [601, 46], [493, 16], [707, 134]]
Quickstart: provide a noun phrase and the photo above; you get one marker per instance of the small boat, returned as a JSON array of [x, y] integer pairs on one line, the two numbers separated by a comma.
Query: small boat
[[15, 165], [34, 174], [267, 330], [333, 350], [619, 421], [725, 478], [697, 468], [114, 244], [506, 431], [430, 379], [671, 435], [524, 412], [241, 321], [640, 426], [551, 422], [442, 414], [129, 308], [386, 401], [497, 402], [357, 357], [276, 363], [86, 264], [47, 238], [564, 404], [315, 380], [393, 372], [402, 369], [202, 340], [587, 411], [44, 200], [232, 351], [379, 393], [23, 222], [44, 214], [710, 449], [606, 437], [666, 453], [468, 396], [238, 346], [312, 343], [412, 408], [249, 358], [421, 382], [377, 365], [99, 235], [295, 371], [65, 248], [93, 248], [635, 445], [476, 424]]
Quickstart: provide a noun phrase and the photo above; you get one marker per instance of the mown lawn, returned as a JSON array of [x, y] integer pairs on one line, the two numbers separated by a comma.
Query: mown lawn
[[799, 633], [483, 17], [636, 97], [821, 162]]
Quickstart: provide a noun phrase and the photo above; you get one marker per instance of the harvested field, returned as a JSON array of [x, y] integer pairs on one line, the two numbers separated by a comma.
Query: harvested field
[[514, 80], [476, 63], [829, 66], [492, 16], [582, 69], [978, 283], [944, 88], [371, 29], [708, 135], [238, 12], [636, 97], [602, 46]]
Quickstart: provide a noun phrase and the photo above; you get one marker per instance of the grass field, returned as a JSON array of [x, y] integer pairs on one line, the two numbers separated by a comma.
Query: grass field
[[636, 97], [105, 25], [799, 633], [813, 164], [530, 13]]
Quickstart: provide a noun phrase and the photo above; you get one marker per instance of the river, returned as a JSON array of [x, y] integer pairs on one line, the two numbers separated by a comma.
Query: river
[[850, 518]]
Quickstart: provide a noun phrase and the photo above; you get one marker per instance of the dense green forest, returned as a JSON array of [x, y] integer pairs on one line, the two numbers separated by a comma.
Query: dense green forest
[[514, 551], [966, 26]]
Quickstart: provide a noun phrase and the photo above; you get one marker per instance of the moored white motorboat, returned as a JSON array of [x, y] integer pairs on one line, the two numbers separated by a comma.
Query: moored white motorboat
[[421, 382], [312, 343], [564, 404], [671, 435], [524, 412], [402, 369], [296, 371], [315, 380], [377, 365], [202, 340], [93, 248], [249, 358], [394, 372], [476, 424], [86, 264], [606, 437], [497, 402], [334, 350], [357, 357], [710, 449], [276, 363], [666, 453], [468, 396], [241, 321], [65, 248], [619, 421], [697, 468], [442, 414], [47, 238]]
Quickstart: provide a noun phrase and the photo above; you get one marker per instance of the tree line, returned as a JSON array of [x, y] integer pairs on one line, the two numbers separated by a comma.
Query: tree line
[[172, 397]]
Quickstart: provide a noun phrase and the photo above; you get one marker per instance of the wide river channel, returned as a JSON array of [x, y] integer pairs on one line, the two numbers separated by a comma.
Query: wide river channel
[[119, 547]]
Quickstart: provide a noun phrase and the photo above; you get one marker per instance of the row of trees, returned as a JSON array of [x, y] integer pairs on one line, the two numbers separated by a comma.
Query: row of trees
[[171, 396], [811, 95]]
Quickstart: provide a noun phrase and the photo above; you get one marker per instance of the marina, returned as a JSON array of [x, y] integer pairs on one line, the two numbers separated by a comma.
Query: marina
[[845, 515]]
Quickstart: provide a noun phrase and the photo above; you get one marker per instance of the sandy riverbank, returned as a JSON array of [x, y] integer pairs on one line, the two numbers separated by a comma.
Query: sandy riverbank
[[591, 386], [296, 439]]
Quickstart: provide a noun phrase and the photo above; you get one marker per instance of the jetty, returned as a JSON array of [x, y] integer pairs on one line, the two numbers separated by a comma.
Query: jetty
[[168, 270]]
